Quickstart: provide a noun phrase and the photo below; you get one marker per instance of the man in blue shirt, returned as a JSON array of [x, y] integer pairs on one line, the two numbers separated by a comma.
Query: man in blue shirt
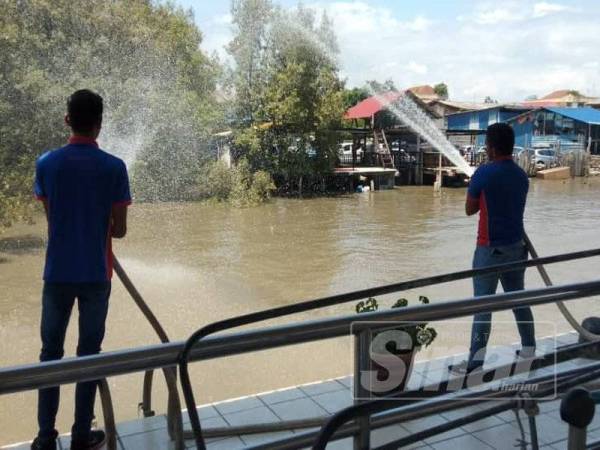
[[85, 192], [498, 191]]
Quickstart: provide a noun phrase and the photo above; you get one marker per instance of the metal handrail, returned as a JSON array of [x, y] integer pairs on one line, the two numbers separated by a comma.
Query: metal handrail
[[287, 310], [34, 376], [571, 378], [406, 412], [561, 354], [121, 362], [337, 299], [435, 389]]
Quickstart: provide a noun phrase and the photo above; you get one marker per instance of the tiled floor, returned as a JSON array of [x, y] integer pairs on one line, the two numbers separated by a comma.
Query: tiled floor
[[327, 397]]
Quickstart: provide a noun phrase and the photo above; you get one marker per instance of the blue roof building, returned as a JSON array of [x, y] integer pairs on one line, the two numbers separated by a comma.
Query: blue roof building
[[566, 124], [476, 122]]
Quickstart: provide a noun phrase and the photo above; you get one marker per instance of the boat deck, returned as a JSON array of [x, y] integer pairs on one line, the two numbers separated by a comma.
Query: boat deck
[[327, 397]]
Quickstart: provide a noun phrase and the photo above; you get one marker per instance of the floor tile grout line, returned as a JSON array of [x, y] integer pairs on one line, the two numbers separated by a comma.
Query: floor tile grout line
[[273, 411], [120, 442], [485, 443], [486, 428], [301, 387]]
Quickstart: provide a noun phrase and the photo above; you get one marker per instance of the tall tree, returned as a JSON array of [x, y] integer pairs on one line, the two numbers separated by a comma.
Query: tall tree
[[142, 57], [378, 87], [250, 19], [441, 89], [354, 95], [299, 99]]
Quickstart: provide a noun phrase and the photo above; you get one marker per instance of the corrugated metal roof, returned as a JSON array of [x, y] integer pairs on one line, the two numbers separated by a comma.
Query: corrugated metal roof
[[501, 106], [585, 114], [557, 94], [369, 106], [467, 106]]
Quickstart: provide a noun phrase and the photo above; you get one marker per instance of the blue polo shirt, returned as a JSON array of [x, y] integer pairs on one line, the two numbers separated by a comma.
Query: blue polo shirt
[[501, 188], [80, 184]]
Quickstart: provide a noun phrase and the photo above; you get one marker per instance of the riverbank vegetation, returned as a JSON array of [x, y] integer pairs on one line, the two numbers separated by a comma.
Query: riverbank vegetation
[[288, 99], [143, 58], [238, 185], [281, 96]]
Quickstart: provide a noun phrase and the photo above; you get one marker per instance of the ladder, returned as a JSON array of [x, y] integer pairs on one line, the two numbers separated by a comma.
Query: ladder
[[382, 149]]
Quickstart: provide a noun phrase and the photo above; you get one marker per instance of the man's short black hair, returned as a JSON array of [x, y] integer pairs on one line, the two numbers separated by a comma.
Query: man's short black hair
[[501, 137], [85, 110]]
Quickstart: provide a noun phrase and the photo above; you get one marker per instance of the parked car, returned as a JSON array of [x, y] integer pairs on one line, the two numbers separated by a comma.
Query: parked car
[[544, 158], [346, 149], [522, 152]]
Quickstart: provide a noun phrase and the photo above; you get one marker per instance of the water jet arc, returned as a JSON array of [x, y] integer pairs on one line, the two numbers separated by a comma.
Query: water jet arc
[[415, 118]]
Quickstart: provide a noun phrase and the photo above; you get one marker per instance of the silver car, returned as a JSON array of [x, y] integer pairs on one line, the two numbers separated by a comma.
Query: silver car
[[544, 158]]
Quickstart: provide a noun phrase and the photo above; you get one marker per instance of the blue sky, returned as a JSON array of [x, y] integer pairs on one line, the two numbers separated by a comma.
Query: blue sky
[[506, 49]]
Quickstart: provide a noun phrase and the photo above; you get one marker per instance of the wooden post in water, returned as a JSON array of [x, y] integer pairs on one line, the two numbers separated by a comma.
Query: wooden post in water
[[419, 167], [437, 185]]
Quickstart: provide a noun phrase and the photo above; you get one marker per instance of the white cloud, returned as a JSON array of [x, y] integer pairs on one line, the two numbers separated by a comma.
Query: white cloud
[[523, 47], [492, 13], [542, 9], [223, 19], [497, 15], [420, 24], [415, 67]]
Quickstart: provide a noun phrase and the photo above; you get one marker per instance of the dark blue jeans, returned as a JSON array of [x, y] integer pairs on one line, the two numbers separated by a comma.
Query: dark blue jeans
[[57, 302], [487, 285]]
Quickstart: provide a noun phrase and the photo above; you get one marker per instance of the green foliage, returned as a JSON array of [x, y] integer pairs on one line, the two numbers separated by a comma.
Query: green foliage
[[288, 95], [249, 188], [248, 48], [262, 186], [15, 202], [421, 334], [441, 89], [215, 181], [367, 306], [354, 95], [238, 185], [400, 303], [375, 87], [142, 57]]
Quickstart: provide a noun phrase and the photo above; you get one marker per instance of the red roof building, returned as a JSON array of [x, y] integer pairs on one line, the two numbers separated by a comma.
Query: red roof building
[[372, 105]]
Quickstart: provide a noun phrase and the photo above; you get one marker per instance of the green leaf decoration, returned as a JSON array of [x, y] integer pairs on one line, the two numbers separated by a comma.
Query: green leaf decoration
[[421, 334], [400, 303]]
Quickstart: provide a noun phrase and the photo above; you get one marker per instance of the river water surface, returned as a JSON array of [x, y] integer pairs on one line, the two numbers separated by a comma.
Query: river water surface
[[198, 263]]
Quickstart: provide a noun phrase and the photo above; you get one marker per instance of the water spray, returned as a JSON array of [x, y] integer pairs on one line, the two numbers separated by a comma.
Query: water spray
[[413, 116]]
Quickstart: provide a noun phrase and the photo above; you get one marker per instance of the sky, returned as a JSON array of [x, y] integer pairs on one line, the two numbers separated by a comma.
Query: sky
[[505, 49]]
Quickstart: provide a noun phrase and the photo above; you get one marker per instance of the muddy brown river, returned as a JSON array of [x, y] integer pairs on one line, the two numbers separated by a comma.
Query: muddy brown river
[[198, 263]]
